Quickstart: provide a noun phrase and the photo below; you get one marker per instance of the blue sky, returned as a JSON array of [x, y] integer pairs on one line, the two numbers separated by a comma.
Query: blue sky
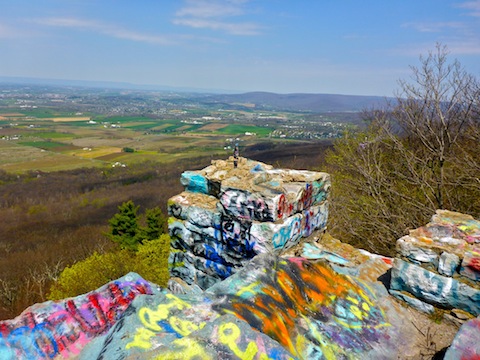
[[285, 46]]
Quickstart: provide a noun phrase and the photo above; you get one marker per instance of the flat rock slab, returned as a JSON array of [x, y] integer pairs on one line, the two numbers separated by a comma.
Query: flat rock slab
[[280, 308]]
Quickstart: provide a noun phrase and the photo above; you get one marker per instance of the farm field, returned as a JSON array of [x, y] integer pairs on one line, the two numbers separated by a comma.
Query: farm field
[[50, 142], [57, 128], [21, 158]]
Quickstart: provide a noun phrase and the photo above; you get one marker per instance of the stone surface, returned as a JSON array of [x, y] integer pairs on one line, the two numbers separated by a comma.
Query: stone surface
[[312, 252], [435, 289], [465, 226], [256, 191], [445, 262], [61, 329], [448, 264], [313, 311], [284, 234], [280, 308], [471, 264], [466, 344], [448, 231], [200, 208], [175, 327], [414, 302], [408, 247]]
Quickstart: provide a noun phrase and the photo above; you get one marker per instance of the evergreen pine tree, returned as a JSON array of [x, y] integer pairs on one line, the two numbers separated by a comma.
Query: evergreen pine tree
[[156, 224], [124, 228]]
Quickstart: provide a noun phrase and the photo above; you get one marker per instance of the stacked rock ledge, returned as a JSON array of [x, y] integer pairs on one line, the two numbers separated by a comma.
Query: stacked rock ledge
[[228, 215]]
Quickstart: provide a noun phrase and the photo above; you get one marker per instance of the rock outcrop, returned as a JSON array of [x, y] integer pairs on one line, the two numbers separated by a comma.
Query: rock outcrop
[[228, 215], [245, 285], [466, 344], [275, 307], [440, 264]]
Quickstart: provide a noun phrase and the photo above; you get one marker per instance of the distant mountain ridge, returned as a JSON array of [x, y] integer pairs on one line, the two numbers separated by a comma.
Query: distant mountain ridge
[[259, 100], [302, 101]]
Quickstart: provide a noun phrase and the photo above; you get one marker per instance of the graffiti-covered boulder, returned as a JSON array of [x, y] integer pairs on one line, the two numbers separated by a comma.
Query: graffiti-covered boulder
[[278, 308], [450, 239], [433, 288], [257, 191], [180, 327], [61, 329]]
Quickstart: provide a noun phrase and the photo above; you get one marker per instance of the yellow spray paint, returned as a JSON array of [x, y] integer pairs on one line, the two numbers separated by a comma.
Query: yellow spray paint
[[228, 334]]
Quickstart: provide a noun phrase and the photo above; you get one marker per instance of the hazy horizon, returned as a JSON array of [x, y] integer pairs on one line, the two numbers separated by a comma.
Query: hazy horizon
[[348, 47]]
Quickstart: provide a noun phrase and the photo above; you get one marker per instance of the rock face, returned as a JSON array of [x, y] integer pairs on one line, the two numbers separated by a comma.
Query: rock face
[[228, 215], [441, 263], [61, 329], [280, 308]]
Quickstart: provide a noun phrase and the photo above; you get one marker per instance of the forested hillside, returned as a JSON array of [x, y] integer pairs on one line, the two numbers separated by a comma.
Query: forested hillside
[[52, 220]]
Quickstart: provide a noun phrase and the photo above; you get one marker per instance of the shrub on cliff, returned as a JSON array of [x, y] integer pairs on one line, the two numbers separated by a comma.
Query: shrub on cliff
[[150, 261], [418, 155], [91, 273]]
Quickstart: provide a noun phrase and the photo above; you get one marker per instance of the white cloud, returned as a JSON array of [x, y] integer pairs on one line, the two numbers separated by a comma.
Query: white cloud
[[231, 28], [465, 47], [434, 27], [105, 29], [474, 6], [461, 38], [209, 9], [14, 32], [213, 14]]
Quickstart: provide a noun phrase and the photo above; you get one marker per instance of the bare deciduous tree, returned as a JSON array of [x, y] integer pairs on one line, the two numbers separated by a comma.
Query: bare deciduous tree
[[418, 155]]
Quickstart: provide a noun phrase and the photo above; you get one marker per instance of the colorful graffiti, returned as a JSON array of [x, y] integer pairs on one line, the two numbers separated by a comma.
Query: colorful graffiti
[[274, 308], [161, 319], [236, 238], [284, 234], [215, 252], [63, 328], [197, 183], [307, 307], [466, 344], [245, 205], [189, 328]]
